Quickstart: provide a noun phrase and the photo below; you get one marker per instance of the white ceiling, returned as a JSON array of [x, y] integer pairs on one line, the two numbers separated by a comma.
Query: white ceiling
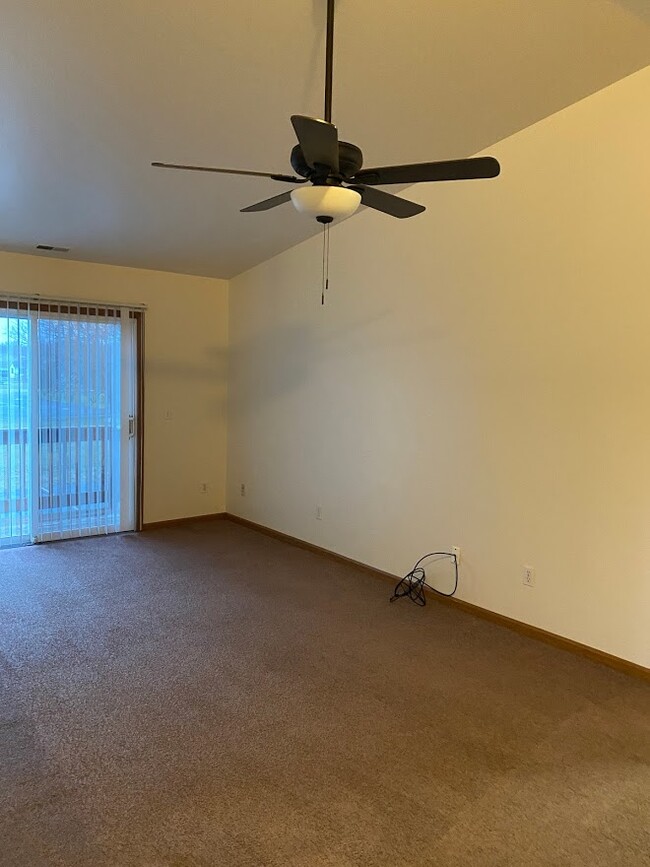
[[93, 91]]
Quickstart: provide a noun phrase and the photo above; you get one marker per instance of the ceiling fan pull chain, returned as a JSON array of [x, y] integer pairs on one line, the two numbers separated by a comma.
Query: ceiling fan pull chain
[[327, 258], [322, 285], [325, 279]]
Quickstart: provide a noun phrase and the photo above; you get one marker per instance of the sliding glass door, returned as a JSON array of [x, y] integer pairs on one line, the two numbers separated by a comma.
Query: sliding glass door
[[68, 398]]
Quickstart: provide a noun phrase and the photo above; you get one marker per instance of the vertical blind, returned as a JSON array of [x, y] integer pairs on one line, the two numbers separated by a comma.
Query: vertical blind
[[16, 376], [64, 423]]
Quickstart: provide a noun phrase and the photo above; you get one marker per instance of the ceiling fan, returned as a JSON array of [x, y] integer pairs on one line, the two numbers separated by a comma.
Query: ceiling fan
[[337, 183]]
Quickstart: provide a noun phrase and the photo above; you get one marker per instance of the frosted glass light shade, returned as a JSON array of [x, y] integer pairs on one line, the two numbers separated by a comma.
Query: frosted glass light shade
[[325, 201]]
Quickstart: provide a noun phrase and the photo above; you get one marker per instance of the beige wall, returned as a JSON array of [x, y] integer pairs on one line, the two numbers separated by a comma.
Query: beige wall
[[480, 376], [185, 370]]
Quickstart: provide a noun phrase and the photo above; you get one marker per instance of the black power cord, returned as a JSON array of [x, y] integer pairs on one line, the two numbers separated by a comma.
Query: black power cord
[[414, 583]]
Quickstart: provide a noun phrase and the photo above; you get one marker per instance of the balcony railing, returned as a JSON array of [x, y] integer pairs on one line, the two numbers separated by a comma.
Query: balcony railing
[[71, 473]]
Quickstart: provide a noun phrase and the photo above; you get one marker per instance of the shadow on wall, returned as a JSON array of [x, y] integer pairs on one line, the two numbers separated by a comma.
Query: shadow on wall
[[212, 374], [282, 359], [279, 359], [640, 8]]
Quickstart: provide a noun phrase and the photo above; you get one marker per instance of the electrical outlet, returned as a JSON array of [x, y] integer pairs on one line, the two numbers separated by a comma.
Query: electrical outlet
[[242, 490], [319, 513], [456, 550], [203, 487], [528, 576]]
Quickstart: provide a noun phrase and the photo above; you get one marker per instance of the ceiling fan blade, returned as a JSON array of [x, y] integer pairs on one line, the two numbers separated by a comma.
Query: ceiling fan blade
[[290, 179], [388, 203], [267, 204], [445, 170], [319, 141]]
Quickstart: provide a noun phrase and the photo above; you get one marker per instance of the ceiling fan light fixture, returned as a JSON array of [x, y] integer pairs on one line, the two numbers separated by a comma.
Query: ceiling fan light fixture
[[326, 201]]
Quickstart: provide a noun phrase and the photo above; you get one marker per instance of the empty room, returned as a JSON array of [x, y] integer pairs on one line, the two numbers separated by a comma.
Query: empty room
[[325, 433]]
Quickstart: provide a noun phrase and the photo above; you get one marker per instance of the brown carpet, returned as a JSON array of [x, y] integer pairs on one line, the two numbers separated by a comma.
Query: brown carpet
[[210, 696]]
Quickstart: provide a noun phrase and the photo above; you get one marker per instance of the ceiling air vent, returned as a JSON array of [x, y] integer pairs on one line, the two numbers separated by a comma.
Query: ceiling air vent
[[54, 249]]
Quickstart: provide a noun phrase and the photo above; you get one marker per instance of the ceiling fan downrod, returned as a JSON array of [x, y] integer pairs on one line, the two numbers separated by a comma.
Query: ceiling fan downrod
[[329, 61]]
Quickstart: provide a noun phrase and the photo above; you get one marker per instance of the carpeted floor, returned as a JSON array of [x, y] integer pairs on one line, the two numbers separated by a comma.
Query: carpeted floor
[[208, 696]]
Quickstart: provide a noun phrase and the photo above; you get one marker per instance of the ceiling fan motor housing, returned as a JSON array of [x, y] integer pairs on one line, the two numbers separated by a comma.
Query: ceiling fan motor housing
[[350, 160]]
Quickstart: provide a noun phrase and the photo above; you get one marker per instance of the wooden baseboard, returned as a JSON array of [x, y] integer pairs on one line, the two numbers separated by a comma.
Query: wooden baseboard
[[535, 632], [308, 546], [178, 522]]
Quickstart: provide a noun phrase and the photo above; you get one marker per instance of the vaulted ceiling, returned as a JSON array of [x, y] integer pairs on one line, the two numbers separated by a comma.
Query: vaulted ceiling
[[92, 92]]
